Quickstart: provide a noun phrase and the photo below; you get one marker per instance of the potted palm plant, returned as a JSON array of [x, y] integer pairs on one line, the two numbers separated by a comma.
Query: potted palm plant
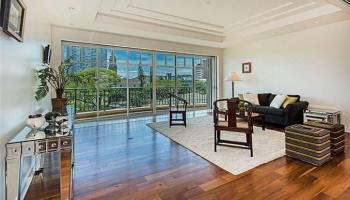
[[58, 79]]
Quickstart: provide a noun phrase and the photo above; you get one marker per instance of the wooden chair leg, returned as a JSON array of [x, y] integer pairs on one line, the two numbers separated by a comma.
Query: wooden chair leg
[[184, 118], [214, 140], [219, 136], [251, 144]]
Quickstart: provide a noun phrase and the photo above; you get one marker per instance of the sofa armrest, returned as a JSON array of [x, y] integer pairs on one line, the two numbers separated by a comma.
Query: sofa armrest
[[294, 113]]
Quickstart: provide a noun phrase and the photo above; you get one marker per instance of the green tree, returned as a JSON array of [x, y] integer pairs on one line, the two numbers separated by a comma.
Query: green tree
[[201, 86], [106, 78]]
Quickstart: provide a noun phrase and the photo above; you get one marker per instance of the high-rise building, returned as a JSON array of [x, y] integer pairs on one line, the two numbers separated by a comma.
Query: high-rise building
[[199, 71]]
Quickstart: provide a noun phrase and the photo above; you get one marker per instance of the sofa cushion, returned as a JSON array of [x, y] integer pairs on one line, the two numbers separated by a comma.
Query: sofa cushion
[[264, 99], [268, 110], [289, 100], [297, 96], [278, 101], [252, 98], [271, 97]]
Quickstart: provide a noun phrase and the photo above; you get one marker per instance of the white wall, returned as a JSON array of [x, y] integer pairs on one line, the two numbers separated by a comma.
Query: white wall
[[314, 63], [18, 62], [60, 34]]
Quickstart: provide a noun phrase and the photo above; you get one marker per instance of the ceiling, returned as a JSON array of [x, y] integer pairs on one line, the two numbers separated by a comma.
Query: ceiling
[[213, 23]]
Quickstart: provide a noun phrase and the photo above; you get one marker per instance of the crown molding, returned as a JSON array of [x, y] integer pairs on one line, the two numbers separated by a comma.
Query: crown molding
[[152, 20], [190, 21]]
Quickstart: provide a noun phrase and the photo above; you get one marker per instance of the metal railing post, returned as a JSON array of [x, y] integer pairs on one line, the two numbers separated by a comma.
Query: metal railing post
[[84, 101], [75, 101], [104, 99]]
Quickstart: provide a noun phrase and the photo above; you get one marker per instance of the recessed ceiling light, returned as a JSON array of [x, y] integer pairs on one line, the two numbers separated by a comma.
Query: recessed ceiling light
[[208, 2]]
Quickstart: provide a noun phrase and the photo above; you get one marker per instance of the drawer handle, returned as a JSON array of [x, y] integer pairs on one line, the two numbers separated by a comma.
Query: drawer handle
[[65, 143], [53, 145], [15, 150], [28, 148]]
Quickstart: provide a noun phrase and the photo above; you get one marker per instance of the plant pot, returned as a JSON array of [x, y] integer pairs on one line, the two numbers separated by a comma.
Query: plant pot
[[59, 105]]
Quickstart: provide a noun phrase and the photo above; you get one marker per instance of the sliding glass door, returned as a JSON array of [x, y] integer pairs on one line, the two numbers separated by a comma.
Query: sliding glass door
[[165, 79], [184, 78], [112, 81], [140, 81], [202, 82], [84, 97], [125, 80]]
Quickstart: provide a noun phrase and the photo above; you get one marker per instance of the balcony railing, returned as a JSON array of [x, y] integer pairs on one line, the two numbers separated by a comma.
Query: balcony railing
[[86, 100]]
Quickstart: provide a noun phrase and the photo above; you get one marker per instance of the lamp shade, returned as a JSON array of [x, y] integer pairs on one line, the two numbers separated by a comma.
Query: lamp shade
[[233, 76]]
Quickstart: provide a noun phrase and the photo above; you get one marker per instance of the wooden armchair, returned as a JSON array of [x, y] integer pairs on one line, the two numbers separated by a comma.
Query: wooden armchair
[[233, 122], [179, 107]]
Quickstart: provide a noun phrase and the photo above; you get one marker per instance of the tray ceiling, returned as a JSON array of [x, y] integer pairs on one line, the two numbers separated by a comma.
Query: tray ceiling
[[215, 23]]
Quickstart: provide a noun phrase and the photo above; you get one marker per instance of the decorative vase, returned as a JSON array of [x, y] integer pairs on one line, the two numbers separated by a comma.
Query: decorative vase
[[59, 105]]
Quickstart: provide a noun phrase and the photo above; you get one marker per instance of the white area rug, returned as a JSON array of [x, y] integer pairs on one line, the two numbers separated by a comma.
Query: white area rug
[[199, 138]]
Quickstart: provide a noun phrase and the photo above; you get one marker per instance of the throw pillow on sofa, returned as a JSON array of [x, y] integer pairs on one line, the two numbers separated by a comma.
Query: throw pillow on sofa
[[289, 100], [278, 101], [252, 98]]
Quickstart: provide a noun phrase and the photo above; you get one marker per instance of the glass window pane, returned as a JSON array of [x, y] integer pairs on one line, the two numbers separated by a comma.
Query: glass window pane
[[165, 76], [107, 78], [146, 58], [200, 72], [106, 57], [184, 83], [188, 61], [184, 77], [122, 73], [180, 61], [170, 60], [140, 86], [75, 67], [197, 61], [133, 75], [89, 56], [160, 59], [75, 54], [134, 57], [121, 55], [67, 52], [88, 67], [139, 76]]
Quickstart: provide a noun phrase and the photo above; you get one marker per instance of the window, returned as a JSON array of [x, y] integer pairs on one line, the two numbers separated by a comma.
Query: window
[[123, 77]]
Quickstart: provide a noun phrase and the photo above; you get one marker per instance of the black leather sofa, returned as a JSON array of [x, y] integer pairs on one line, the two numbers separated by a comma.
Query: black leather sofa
[[291, 114]]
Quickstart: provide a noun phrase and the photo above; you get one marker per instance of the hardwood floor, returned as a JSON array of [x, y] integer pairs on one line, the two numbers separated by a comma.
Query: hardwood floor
[[125, 159]]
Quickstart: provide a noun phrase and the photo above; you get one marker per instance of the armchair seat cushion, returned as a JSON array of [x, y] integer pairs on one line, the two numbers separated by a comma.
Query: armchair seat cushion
[[239, 124], [268, 110]]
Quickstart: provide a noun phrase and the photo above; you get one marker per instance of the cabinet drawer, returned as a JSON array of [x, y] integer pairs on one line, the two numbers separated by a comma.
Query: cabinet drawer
[[40, 146], [28, 148], [65, 143], [13, 150], [52, 145]]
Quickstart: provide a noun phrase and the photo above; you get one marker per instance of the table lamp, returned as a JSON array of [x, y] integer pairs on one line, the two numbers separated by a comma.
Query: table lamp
[[233, 76]]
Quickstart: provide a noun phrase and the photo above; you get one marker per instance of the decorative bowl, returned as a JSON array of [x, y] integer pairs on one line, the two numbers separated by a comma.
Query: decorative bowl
[[35, 121]]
